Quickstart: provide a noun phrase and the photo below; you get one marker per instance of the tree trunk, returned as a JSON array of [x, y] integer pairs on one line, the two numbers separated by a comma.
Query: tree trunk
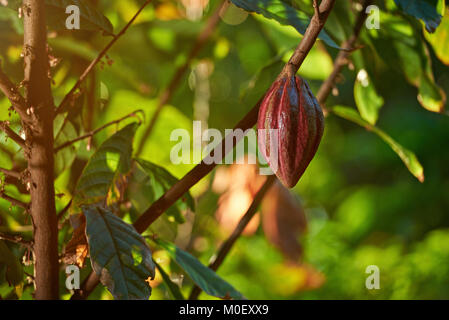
[[39, 137]]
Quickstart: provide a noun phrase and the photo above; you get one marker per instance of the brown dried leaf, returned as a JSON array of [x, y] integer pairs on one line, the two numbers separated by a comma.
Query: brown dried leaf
[[283, 221], [77, 249]]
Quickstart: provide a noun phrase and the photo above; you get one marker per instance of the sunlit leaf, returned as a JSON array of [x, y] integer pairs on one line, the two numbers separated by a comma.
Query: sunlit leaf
[[367, 99], [409, 158], [282, 13], [204, 277], [119, 254], [65, 131], [440, 39]]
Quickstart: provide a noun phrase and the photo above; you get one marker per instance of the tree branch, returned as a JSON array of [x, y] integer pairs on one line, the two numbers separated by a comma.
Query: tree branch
[[64, 104], [10, 133], [343, 55], [14, 201], [94, 132], [16, 239], [201, 170], [228, 244], [167, 94], [14, 96], [11, 173]]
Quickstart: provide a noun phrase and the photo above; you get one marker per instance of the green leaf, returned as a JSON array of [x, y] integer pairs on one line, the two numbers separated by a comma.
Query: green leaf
[[119, 254], [425, 10], [90, 17], [157, 183], [112, 156], [284, 14], [172, 287], [366, 97], [430, 96], [14, 270], [65, 131], [408, 157], [203, 276], [440, 39]]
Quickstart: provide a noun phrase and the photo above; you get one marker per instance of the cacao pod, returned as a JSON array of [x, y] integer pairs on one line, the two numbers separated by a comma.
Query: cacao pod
[[290, 107]]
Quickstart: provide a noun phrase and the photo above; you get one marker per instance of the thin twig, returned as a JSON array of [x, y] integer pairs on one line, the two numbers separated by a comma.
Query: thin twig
[[16, 239], [11, 173], [64, 104], [167, 94], [14, 96], [343, 55], [14, 201], [64, 210], [201, 170], [94, 132], [226, 247], [10, 133]]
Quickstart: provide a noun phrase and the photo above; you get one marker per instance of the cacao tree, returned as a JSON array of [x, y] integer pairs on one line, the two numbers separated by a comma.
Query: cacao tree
[[93, 205]]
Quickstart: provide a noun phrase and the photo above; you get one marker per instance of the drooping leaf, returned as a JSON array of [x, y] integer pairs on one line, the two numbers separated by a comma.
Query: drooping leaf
[[367, 99], [156, 183], [425, 10], [408, 157], [284, 14], [440, 39], [112, 156], [76, 250], [430, 95], [204, 277], [119, 254], [90, 17], [14, 270], [173, 288]]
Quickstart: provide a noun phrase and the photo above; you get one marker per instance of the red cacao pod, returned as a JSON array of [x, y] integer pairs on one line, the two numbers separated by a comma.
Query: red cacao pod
[[290, 107]]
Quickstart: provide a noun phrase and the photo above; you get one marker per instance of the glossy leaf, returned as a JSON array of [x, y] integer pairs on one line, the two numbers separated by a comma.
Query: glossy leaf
[[282, 13], [366, 97], [204, 277], [119, 254], [90, 17], [408, 157], [424, 10], [112, 156]]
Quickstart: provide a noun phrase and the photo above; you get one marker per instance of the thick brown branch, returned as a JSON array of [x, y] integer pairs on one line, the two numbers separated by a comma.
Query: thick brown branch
[[202, 169], [167, 94], [94, 132], [228, 244], [64, 104], [10, 133], [343, 55], [14, 96]]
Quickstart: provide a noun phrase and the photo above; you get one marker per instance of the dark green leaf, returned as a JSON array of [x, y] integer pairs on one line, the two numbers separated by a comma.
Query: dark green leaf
[[282, 13], [14, 270], [119, 254], [408, 157], [112, 156], [173, 288], [158, 181], [203, 276], [65, 131], [425, 10]]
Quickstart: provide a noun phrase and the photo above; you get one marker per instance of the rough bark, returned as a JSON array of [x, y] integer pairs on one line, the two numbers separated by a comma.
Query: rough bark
[[39, 138]]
